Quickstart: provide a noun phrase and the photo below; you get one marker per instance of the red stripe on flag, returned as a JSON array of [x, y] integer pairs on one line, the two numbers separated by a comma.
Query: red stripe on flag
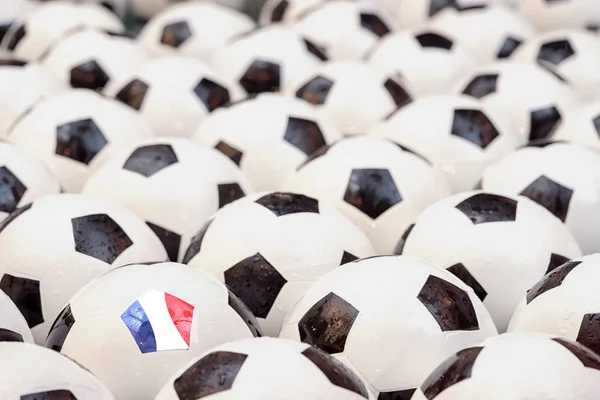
[[181, 314]]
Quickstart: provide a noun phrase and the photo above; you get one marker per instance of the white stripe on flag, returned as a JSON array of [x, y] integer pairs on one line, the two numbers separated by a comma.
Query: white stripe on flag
[[167, 336]]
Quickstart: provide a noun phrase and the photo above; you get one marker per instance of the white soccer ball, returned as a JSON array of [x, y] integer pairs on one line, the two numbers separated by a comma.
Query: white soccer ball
[[192, 28], [265, 368], [345, 29], [580, 125], [284, 242], [377, 184], [390, 318], [157, 318], [532, 96], [172, 184], [525, 366], [563, 177], [48, 375], [268, 136], [174, 94], [74, 132], [91, 58], [13, 326], [268, 59], [354, 95], [498, 245], [571, 14], [459, 135]]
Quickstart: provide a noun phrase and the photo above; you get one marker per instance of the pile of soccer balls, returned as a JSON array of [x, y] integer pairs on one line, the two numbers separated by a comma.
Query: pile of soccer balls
[[346, 200]]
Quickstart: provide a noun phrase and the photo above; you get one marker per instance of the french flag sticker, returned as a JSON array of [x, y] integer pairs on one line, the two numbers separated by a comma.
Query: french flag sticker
[[159, 321]]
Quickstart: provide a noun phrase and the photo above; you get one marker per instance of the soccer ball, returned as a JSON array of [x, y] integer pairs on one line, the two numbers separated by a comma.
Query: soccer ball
[[13, 326], [574, 54], [532, 96], [52, 247], [490, 32], [74, 132], [430, 61], [90, 59], [174, 94], [34, 32], [345, 29], [379, 185], [268, 136], [149, 320], [381, 312], [459, 135], [268, 59], [547, 15], [580, 125], [265, 368], [354, 95], [23, 179], [49, 375], [563, 177], [193, 28], [509, 367], [172, 184], [284, 242], [286, 12], [472, 233]]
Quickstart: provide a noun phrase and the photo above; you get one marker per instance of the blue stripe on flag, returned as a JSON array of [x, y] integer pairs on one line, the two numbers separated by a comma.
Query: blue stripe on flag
[[137, 322]]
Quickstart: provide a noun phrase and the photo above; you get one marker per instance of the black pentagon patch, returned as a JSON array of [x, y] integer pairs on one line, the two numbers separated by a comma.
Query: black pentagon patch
[[231, 152], [435, 6], [399, 95], [596, 122], [321, 152], [481, 86], [6, 335], [372, 191], [508, 47], [99, 236], [556, 260], [347, 257], [453, 370], [281, 203], [315, 91], [25, 293], [79, 140], [592, 28], [552, 280], [175, 34], [229, 192], [212, 94], [196, 243], [464, 275], [14, 215], [16, 38], [169, 239], [402, 242], [337, 373], [589, 332], [405, 394], [245, 314], [373, 23], [61, 394], [473, 126], [588, 358], [3, 29], [543, 122], [279, 11], [148, 160], [482, 208], [304, 134], [326, 324], [433, 40], [555, 52], [133, 94], [449, 305], [261, 76], [256, 282], [89, 75], [555, 197], [315, 50], [214, 373], [12, 190], [60, 329]]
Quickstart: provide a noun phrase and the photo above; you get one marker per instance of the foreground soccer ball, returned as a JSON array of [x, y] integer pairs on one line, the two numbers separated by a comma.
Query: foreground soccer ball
[[247, 368], [284, 242], [149, 320], [391, 318], [508, 367], [51, 248], [13, 326], [49, 375], [171, 184], [498, 245]]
